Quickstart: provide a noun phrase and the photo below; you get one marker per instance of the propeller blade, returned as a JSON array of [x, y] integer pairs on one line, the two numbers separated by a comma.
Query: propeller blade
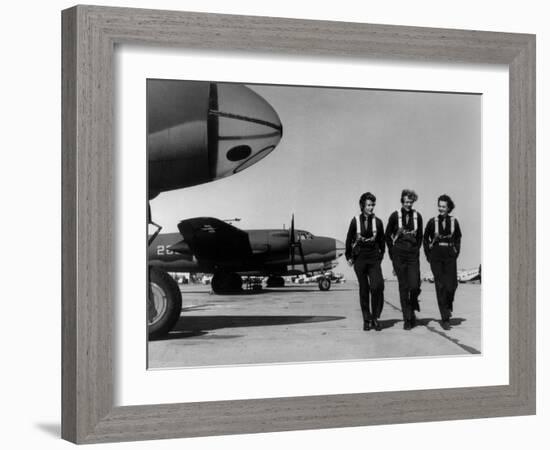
[[302, 256], [292, 242]]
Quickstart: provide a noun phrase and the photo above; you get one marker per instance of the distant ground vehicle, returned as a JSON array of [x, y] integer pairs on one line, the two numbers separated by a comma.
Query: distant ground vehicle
[[324, 279]]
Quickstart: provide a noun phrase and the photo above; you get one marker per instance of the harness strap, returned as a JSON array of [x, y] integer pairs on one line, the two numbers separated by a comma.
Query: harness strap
[[436, 226], [373, 228], [400, 223], [436, 231]]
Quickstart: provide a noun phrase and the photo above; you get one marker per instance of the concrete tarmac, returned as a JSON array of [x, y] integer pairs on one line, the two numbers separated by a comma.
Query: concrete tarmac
[[299, 323]]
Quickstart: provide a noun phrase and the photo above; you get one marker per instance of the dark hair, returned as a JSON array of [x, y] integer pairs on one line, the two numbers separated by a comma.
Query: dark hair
[[408, 193], [448, 200], [364, 197]]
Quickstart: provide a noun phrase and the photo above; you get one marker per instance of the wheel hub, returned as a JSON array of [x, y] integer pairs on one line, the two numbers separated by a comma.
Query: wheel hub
[[157, 303]]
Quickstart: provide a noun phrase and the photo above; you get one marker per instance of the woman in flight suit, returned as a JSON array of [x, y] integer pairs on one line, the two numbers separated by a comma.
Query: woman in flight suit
[[365, 251], [404, 240], [442, 246]]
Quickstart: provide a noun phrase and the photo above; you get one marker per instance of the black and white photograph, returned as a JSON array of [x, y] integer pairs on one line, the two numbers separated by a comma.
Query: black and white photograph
[[299, 224], [270, 225]]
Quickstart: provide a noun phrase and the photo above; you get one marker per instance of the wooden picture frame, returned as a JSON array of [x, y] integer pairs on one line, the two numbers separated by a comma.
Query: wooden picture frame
[[89, 37]]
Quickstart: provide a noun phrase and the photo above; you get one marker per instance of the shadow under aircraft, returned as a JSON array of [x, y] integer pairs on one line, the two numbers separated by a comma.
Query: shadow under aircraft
[[211, 245], [197, 132]]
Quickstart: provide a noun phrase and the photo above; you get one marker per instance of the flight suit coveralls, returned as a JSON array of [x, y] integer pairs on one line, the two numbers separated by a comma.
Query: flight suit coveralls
[[442, 247], [366, 248], [404, 240]]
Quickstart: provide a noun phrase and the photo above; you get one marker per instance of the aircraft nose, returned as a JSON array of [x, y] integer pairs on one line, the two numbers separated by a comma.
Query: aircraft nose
[[248, 128]]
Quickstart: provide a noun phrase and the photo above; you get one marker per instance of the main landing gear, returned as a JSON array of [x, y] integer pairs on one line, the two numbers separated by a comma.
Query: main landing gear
[[274, 281], [226, 283]]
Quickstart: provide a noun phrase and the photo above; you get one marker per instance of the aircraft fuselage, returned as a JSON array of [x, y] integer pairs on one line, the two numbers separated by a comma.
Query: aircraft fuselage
[[269, 255]]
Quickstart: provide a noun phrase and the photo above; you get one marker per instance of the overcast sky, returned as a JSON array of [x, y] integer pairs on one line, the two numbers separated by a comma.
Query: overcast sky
[[339, 143]]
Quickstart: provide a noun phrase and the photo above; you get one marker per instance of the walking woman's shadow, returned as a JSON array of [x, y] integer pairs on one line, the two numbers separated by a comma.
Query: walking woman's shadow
[[389, 323]]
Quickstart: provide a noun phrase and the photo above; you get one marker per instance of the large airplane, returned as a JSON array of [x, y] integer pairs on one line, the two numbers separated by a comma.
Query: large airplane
[[197, 132], [210, 245], [462, 276], [465, 276]]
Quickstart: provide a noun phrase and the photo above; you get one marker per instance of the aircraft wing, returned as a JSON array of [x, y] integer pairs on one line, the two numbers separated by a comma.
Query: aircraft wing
[[211, 239]]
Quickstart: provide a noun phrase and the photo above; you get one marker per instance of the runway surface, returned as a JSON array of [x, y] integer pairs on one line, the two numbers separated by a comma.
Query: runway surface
[[299, 323]]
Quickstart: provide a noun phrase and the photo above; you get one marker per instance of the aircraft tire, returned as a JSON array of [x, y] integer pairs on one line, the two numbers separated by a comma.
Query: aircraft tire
[[166, 296], [275, 282], [324, 284], [226, 283]]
